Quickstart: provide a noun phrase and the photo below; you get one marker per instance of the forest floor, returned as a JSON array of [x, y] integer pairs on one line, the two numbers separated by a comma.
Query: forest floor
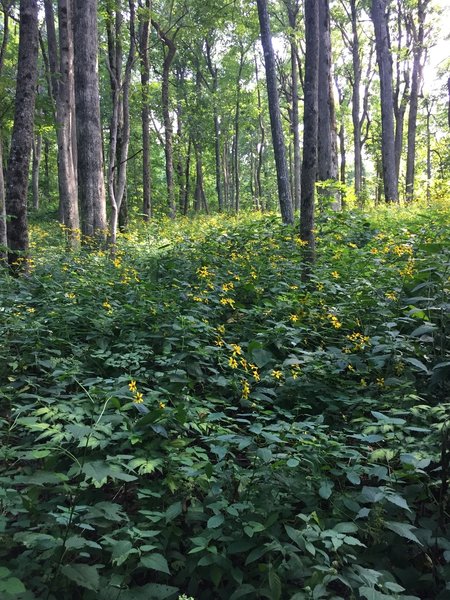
[[190, 418]]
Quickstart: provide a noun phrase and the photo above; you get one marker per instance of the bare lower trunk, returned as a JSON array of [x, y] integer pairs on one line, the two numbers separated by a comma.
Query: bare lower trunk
[[310, 131], [356, 102], [89, 138], [279, 149], [384, 60], [22, 135], [36, 165], [3, 239], [144, 31]]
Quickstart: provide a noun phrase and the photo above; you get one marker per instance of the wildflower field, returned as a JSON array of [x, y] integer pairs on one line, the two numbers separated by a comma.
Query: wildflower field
[[188, 417]]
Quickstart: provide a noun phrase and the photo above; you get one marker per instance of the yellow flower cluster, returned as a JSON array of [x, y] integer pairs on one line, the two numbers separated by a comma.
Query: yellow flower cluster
[[203, 272], [245, 390], [107, 306], [276, 374], [334, 321], [359, 340], [226, 287], [228, 302], [391, 296], [138, 398], [408, 271]]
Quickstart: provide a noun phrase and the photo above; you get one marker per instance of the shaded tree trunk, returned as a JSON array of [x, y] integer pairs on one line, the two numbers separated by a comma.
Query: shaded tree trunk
[[22, 135], [378, 13], [356, 101], [327, 164], [62, 86], [91, 184], [3, 236], [144, 38], [310, 131], [279, 149], [418, 35], [36, 165], [168, 127], [261, 142], [214, 71], [120, 119]]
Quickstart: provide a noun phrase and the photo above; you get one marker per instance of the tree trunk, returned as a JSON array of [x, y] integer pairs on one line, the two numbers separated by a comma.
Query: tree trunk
[[168, 127], [120, 119], [279, 149], [310, 130], [356, 102], [22, 135], [3, 236], [327, 167], [144, 38], [429, 110], [384, 60], [89, 136], [35, 168], [261, 141], [62, 81], [237, 114], [418, 41], [214, 74]]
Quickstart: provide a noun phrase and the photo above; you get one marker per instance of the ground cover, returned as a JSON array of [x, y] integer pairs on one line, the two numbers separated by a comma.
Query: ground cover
[[189, 417]]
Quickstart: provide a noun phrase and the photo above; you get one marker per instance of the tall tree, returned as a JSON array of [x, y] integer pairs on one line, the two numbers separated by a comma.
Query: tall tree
[[22, 134], [384, 59], [418, 37], [62, 88], [3, 236], [310, 129], [143, 49], [120, 80], [284, 192], [169, 54], [91, 184], [327, 164], [293, 7]]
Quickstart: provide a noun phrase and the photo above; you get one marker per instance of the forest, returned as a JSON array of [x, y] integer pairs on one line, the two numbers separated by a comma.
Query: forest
[[224, 300]]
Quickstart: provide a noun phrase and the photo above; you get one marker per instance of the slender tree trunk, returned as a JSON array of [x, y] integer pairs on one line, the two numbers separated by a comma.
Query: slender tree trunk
[[120, 120], [215, 85], [356, 101], [279, 149], [168, 127], [35, 168], [62, 85], [3, 236], [144, 37], [429, 166], [384, 60], [187, 176], [22, 135], [327, 167], [237, 120], [91, 184], [261, 142], [418, 42], [310, 130]]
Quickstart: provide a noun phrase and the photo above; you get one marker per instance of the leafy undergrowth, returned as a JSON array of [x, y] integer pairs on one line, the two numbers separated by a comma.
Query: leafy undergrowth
[[189, 418]]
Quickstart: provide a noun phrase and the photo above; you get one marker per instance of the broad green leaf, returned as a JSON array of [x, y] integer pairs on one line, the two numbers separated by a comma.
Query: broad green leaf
[[326, 489], [12, 586], [83, 575], [215, 521], [156, 561], [404, 530]]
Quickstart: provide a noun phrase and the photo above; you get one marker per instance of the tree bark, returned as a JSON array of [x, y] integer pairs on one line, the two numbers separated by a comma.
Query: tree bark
[[327, 167], [144, 38], [214, 71], [284, 193], [356, 102], [22, 135], [168, 127], [36, 165], [310, 131], [3, 236], [418, 34], [384, 59], [91, 184]]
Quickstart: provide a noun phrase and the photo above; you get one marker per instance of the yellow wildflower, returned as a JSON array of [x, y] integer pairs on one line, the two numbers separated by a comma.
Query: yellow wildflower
[[132, 386], [276, 374], [107, 306], [236, 349], [203, 272], [233, 362], [138, 398], [245, 389], [335, 274], [293, 318], [162, 405]]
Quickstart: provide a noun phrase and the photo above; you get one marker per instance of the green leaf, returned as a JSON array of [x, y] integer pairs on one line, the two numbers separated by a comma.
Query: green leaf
[[293, 462], [85, 576], [156, 561], [326, 489], [274, 584], [12, 586], [120, 551], [398, 501], [404, 530], [416, 363], [372, 594], [215, 521], [243, 590]]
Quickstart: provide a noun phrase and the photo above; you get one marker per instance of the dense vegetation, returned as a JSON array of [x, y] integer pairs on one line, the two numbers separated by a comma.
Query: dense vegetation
[[188, 417]]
